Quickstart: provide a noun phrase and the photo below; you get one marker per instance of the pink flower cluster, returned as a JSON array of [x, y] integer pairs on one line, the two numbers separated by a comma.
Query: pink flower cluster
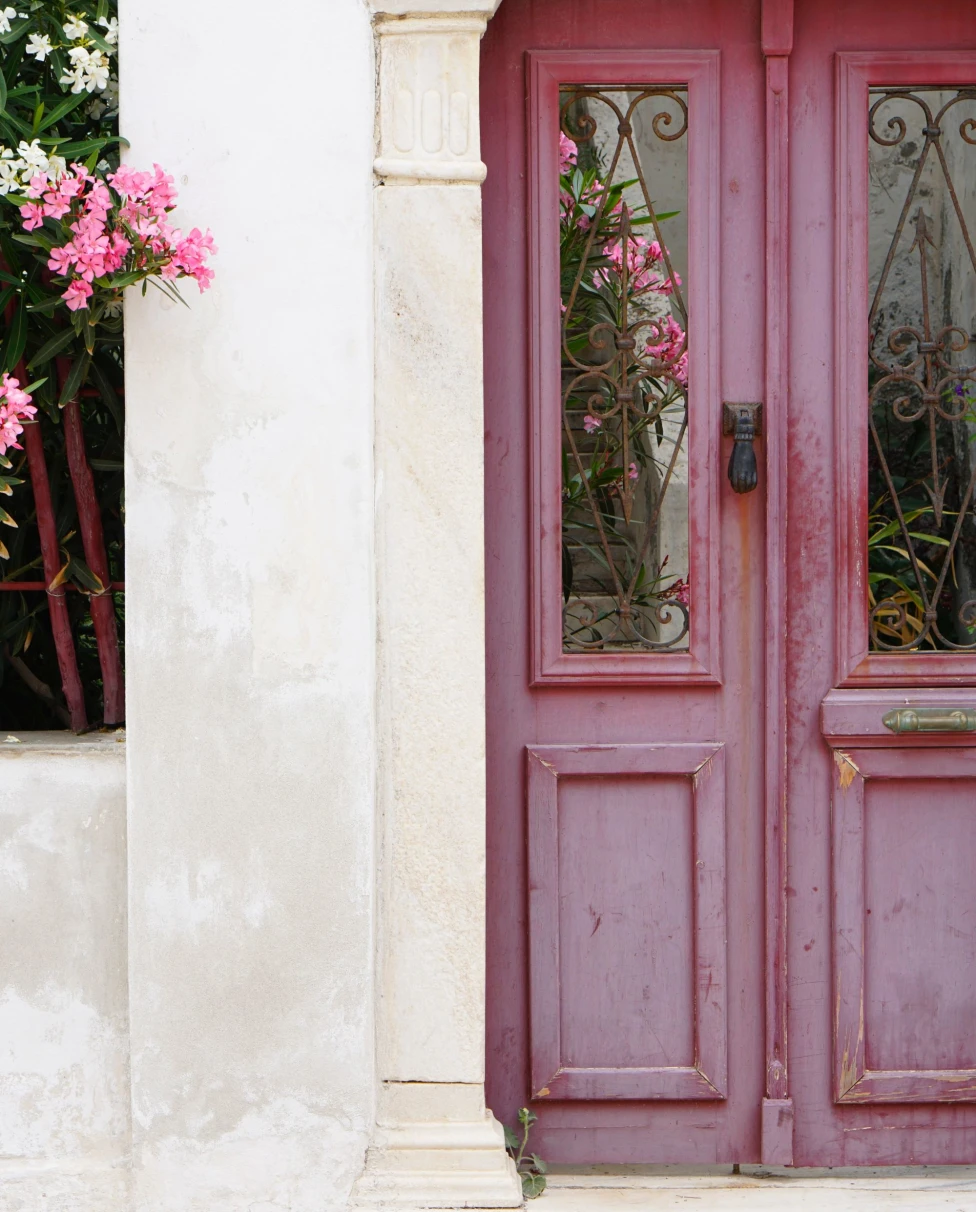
[[149, 197], [568, 152], [643, 258], [671, 350], [15, 407], [107, 236], [677, 591]]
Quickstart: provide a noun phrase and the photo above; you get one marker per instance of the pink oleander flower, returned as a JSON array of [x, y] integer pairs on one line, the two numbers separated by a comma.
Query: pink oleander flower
[[567, 153], [112, 224], [33, 215], [15, 407], [677, 591], [591, 423], [671, 351], [77, 294], [633, 474]]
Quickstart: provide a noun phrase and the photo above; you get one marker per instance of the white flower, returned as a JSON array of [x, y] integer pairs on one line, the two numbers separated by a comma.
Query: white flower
[[10, 170], [33, 156], [74, 27], [113, 308], [97, 107], [75, 78], [57, 166], [89, 70], [97, 71], [39, 45], [6, 16], [111, 29]]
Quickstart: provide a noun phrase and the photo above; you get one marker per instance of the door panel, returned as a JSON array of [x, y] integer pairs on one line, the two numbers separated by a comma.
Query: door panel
[[630, 1041], [627, 921], [904, 945], [882, 821]]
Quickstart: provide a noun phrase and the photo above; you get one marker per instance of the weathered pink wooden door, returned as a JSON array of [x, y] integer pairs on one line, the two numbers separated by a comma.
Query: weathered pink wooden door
[[732, 786]]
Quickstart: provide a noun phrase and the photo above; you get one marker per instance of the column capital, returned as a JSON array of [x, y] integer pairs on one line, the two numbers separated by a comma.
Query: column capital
[[428, 91]]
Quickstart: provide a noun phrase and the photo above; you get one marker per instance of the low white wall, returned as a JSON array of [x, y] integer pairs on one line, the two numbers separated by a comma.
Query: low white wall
[[64, 1077]]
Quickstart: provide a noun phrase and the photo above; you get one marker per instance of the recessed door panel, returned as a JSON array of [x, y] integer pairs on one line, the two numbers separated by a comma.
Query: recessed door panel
[[904, 949], [627, 921]]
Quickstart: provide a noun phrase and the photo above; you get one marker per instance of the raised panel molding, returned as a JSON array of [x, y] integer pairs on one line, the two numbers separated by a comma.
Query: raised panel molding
[[854, 1080], [703, 1075]]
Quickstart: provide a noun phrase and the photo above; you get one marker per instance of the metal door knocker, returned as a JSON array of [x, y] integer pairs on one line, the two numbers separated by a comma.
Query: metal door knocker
[[743, 422]]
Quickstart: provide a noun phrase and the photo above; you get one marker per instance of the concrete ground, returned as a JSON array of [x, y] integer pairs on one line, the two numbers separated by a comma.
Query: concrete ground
[[758, 1189]]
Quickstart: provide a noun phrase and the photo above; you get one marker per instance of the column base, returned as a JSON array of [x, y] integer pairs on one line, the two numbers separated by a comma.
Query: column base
[[436, 1146]]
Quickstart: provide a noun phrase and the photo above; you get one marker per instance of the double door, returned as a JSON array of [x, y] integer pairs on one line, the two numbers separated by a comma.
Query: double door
[[730, 295]]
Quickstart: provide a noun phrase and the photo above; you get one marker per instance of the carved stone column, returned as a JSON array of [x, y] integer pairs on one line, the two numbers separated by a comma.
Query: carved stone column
[[435, 1145]]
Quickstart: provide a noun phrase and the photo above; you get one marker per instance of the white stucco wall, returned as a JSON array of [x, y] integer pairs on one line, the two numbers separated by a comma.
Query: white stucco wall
[[250, 612], [64, 1075]]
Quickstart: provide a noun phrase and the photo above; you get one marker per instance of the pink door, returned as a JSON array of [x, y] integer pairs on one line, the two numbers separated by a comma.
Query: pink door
[[732, 781]]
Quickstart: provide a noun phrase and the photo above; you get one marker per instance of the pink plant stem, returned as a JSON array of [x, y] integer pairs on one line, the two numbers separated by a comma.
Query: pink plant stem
[[64, 643], [102, 605]]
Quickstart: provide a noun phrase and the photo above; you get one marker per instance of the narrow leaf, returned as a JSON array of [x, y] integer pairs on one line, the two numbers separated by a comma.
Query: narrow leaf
[[70, 102], [47, 351], [82, 573], [76, 376], [16, 338]]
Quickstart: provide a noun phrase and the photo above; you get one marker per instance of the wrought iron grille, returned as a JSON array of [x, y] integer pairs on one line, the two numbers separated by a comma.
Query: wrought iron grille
[[922, 388], [624, 369]]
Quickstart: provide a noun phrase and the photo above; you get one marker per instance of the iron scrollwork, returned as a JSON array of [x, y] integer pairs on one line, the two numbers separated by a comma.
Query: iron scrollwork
[[922, 394], [624, 377]]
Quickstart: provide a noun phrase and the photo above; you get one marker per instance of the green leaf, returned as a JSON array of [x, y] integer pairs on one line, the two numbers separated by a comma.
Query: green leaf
[[511, 1140], [99, 41], [70, 102], [16, 29], [3, 92], [47, 351], [17, 125], [80, 572], [109, 396], [539, 1164], [16, 338], [76, 376], [533, 1185], [6, 519]]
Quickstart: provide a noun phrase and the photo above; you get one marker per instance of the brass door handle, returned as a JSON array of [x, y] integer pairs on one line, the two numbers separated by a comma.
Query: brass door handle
[[743, 422], [931, 719]]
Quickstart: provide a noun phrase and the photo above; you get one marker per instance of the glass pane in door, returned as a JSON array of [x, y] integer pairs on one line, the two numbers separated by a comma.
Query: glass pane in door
[[922, 377], [623, 164]]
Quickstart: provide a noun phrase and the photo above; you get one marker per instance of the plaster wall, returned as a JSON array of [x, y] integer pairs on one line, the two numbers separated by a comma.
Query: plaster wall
[[64, 1076], [250, 610]]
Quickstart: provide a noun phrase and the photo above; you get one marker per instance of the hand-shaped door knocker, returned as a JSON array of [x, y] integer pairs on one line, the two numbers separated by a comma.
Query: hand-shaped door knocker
[[743, 422]]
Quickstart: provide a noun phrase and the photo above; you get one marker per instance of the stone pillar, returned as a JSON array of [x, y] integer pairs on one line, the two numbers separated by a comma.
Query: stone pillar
[[435, 1145]]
